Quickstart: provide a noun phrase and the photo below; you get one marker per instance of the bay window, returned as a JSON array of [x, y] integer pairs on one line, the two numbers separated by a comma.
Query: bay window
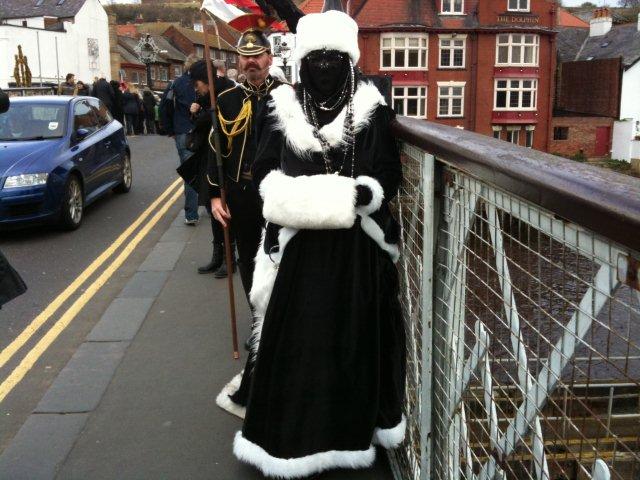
[[515, 94]]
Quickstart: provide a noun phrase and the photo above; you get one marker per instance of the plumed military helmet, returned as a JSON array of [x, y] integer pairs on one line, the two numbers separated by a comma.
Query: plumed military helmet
[[253, 42]]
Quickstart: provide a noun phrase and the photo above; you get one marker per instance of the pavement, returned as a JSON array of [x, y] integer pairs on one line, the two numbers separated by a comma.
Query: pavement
[[137, 398]]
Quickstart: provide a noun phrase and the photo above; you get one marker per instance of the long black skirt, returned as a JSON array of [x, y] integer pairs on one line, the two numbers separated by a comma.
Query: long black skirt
[[328, 381]]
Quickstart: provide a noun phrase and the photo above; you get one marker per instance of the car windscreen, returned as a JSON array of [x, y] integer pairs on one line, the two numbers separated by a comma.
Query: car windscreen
[[33, 121]]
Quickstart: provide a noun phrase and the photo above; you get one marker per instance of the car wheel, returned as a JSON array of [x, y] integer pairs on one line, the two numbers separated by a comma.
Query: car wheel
[[72, 210], [127, 176]]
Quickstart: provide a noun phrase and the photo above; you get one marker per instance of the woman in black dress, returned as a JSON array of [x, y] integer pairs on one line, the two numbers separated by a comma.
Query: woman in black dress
[[328, 380]]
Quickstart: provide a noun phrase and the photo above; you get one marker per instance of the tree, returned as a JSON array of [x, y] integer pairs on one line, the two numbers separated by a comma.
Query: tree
[[635, 4], [588, 5]]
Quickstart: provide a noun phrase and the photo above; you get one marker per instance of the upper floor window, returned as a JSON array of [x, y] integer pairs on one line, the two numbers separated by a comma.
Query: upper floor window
[[455, 7], [517, 49], [452, 51], [516, 94], [518, 5], [403, 51], [450, 99], [410, 101]]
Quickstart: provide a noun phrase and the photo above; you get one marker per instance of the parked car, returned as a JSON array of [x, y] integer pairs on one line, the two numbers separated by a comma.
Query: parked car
[[57, 155]]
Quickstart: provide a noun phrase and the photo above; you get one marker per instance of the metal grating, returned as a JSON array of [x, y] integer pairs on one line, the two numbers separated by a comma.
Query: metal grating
[[531, 368]]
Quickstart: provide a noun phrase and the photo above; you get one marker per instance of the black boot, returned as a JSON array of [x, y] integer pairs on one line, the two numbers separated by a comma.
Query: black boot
[[216, 260], [221, 272]]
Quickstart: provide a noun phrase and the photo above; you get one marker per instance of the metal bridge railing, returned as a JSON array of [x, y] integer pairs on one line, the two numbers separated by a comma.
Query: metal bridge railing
[[521, 291]]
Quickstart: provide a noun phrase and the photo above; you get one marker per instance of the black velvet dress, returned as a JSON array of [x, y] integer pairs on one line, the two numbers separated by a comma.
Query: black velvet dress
[[328, 379]]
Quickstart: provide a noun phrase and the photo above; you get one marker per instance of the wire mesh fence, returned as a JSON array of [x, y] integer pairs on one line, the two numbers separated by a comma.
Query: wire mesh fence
[[530, 368]]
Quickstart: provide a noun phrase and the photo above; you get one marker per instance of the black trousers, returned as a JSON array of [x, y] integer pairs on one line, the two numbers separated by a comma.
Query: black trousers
[[217, 232], [247, 223], [149, 120]]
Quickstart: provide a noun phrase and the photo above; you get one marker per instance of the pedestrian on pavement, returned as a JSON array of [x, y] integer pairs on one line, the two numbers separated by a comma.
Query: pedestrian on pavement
[[117, 112], [176, 119], [139, 118], [149, 103], [202, 127], [82, 89], [328, 379], [103, 90], [130, 109], [68, 87]]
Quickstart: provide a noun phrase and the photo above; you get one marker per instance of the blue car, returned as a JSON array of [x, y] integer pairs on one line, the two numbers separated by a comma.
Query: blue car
[[57, 155]]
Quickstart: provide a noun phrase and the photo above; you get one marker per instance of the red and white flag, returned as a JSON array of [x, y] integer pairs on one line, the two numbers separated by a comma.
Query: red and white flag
[[228, 10]]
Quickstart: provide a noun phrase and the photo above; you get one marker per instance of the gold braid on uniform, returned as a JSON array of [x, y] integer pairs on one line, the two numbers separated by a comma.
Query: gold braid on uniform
[[237, 126]]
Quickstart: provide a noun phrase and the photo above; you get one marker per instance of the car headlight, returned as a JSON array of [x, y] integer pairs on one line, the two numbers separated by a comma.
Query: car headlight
[[26, 180]]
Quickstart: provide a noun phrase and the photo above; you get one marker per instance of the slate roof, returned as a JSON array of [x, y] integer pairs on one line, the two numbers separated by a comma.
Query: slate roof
[[621, 41], [129, 44], [49, 8], [197, 38]]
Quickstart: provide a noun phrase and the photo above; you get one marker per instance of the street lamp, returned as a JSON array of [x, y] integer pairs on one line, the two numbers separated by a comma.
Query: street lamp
[[285, 53], [147, 51]]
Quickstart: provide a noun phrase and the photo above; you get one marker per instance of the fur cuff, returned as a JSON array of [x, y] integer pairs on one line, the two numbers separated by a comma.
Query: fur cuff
[[377, 195], [224, 401], [316, 202], [271, 466], [390, 437]]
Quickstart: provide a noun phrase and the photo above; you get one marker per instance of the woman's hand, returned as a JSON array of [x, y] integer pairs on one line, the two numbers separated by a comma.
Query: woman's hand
[[195, 108]]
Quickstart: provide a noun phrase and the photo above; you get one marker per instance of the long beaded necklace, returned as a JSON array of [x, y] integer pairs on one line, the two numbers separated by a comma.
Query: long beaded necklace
[[348, 133]]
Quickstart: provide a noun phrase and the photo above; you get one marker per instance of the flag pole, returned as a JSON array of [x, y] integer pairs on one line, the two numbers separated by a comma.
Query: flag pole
[[223, 193]]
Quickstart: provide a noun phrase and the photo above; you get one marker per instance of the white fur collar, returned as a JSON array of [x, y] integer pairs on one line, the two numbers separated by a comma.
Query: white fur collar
[[299, 132]]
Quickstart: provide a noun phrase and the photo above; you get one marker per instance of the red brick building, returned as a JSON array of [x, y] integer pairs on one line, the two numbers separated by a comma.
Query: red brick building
[[486, 66]]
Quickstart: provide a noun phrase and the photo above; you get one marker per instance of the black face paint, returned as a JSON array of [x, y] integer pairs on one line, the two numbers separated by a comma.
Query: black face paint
[[324, 72]]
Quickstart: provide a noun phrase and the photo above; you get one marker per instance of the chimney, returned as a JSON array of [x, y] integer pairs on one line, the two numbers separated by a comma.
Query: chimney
[[601, 22]]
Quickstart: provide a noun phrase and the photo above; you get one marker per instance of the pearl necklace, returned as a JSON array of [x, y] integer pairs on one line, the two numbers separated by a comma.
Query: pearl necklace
[[348, 133]]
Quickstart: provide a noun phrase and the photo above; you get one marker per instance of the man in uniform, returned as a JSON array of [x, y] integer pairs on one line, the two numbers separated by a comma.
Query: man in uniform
[[237, 108]]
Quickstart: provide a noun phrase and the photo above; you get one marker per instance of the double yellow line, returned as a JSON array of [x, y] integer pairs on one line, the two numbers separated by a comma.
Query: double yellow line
[[160, 207]]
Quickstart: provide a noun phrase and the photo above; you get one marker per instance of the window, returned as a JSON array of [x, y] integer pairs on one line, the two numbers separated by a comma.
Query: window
[[403, 51], [517, 49], [452, 7], [164, 74], [513, 135], [560, 133], [177, 71], [223, 55], [516, 94], [450, 99], [84, 117], [101, 111], [153, 72], [528, 136], [452, 51], [199, 51], [410, 101], [135, 77], [518, 5], [497, 131]]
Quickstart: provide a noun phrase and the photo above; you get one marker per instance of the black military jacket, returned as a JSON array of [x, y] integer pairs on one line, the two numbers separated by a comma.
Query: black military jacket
[[238, 108]]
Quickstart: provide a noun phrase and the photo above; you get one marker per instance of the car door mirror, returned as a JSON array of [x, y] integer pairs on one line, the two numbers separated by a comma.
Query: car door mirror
[[80, 135]]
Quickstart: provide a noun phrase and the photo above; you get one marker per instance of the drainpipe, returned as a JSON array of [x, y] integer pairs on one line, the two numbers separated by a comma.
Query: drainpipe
[[39, 61], [552, 76], [473, 104]]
